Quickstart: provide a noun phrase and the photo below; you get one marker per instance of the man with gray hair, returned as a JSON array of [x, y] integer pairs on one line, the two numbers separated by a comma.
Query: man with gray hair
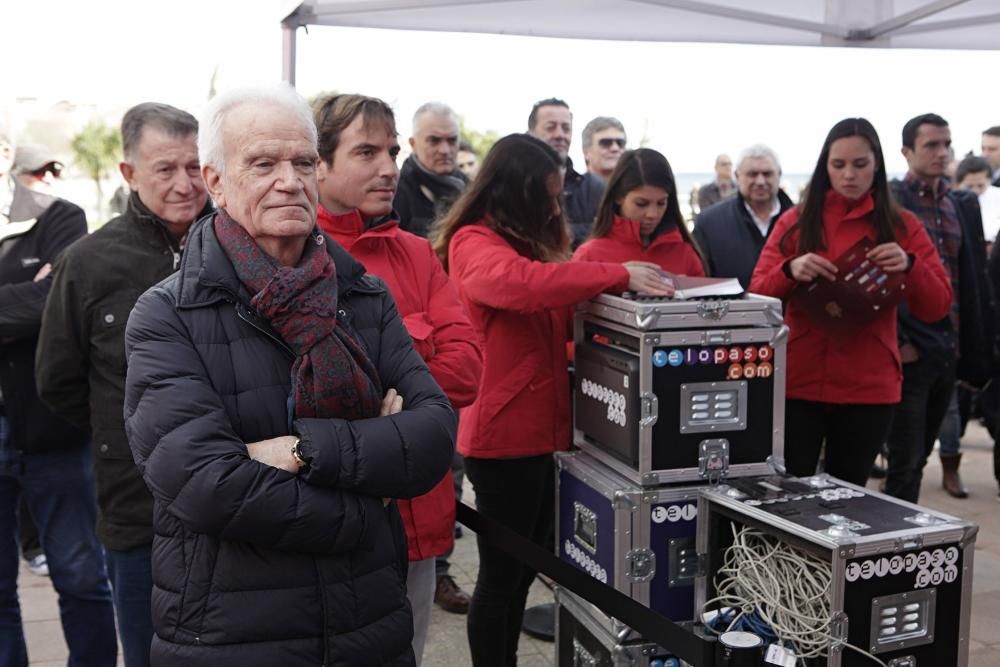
[[731, 233], [81, 373], [604, 142], [429, 180], [263, 406]]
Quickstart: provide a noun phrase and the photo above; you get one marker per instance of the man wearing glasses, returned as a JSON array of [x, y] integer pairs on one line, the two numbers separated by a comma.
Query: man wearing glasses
[[36, 168]]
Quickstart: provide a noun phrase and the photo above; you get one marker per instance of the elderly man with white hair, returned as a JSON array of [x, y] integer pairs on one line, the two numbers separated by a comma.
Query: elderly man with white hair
[[263, 406], [731, 233]]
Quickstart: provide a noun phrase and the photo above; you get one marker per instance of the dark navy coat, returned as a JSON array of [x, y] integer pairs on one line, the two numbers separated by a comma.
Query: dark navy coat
[[253, 565]]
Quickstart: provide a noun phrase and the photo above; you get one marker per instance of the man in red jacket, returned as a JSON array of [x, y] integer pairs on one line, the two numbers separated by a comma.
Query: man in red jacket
[[357, 182]]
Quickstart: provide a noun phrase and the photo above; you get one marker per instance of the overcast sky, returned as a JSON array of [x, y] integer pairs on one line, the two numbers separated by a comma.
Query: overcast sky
[[690, 101]]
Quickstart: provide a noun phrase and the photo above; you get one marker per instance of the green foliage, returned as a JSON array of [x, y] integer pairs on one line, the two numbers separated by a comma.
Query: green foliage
[[481, 142], [97, 148]]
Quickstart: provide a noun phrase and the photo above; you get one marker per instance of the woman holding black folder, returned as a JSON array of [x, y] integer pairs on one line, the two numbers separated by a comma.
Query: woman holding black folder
[[841, 388], [639, 218]]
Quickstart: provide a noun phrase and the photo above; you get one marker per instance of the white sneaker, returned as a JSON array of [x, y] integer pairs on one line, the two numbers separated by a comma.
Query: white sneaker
[[39, 565]]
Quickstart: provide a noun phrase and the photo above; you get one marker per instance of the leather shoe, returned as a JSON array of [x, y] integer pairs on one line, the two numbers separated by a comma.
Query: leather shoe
[[450, 597], [951, 480]]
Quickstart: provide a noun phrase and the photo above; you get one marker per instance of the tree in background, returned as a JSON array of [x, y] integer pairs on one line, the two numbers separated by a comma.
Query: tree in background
[[481, 142], [97, 148]]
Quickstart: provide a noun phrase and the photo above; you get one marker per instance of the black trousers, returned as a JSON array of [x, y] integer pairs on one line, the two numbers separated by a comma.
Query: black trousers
[[927, 390], [853, 434], [520, 494]]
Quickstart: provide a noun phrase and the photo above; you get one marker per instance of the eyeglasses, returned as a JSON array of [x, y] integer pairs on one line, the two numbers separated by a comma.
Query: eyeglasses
[[608, 142], [53, 168]]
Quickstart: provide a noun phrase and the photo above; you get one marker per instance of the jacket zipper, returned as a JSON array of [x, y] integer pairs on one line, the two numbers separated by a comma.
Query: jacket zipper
[[244, 314], [326, 619]]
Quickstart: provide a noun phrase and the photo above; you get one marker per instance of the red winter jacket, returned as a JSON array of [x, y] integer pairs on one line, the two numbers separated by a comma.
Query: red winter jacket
[[623, 244], [523, 310], [442, 334], [866, 369]]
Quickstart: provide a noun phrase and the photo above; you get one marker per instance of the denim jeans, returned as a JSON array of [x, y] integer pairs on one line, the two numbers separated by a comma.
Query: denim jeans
[[131, 576], [950, 434], [59, 489], [927, 390]]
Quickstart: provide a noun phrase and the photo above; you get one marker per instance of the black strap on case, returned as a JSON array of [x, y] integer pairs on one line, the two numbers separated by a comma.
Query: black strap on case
[[653, 627]]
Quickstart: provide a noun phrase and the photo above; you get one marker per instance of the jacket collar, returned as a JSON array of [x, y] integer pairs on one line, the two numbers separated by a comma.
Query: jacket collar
[[207, 276], [352, 225], [843, 208], [447, 185], [629, 231], [153, 228]]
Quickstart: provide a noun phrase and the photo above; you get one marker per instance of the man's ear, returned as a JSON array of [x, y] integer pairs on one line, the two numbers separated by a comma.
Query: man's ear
[[906, 151], [413, 144], [127, 172], [323, 170], [213, 182]]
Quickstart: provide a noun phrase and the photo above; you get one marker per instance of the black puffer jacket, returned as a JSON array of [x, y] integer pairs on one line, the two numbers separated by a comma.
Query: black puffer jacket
[[252, 565]]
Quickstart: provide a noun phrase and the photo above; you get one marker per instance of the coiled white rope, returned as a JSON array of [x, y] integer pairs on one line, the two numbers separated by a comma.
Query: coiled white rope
[[786, 588]]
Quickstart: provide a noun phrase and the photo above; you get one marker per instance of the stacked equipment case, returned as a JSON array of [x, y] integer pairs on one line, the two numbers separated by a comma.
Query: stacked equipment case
[[677, 485], [680, 391], [669, 396], [900, 574]]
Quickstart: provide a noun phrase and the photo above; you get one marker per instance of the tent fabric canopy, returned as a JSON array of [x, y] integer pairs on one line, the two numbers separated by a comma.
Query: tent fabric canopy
[[923, 24]]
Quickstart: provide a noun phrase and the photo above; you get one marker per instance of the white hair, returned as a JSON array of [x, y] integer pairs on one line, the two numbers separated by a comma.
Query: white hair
[[434, 109], [758, 152], [213, 118]]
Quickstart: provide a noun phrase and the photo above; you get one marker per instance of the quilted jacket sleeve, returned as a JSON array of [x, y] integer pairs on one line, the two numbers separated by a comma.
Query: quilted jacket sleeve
[[198, 468], [401, 456], [490, 272]]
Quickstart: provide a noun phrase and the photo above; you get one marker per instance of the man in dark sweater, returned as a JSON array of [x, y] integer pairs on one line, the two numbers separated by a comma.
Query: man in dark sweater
[[429, 180], [81, 376], [732, 232]]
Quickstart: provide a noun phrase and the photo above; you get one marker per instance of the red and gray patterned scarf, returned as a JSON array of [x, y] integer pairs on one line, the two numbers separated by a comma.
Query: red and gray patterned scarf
[[332, 376]]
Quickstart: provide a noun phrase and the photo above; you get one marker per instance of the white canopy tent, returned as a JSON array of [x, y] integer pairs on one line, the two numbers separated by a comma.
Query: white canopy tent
[[923, 24]]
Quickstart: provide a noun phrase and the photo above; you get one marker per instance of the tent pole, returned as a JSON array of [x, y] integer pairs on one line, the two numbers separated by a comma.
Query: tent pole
[[288, 34]]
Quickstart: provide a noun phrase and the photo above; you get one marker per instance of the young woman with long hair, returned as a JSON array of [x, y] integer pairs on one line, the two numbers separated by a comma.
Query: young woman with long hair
[[504, 243], [639, 218], [842, 392]]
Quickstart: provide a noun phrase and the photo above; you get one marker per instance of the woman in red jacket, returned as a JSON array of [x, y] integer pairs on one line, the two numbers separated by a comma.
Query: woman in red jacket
[[640, 218], [504, 242], [843, 391]]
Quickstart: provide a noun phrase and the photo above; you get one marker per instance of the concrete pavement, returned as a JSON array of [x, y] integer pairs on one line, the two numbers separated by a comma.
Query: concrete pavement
[[446, 642]]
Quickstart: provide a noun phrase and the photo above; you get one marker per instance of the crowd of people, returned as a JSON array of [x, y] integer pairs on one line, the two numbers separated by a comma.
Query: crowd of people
[[232, 412]]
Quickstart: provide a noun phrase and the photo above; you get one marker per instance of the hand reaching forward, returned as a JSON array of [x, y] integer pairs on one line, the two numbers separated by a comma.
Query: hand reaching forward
[[647, 278]]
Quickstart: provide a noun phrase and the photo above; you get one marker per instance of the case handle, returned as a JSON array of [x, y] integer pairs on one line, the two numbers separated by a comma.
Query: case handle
[[585, 526], [649, 409]]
